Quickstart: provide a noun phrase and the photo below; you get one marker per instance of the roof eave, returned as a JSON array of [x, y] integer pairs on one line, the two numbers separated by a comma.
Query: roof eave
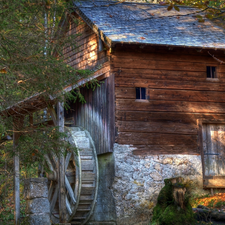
[[93, 26]]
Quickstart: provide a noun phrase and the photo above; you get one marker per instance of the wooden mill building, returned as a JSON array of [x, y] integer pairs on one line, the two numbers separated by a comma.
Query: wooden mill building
[[160, 109], [161, 101]]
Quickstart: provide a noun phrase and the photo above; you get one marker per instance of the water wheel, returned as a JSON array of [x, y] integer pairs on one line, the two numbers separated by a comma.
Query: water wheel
[[81, 179]]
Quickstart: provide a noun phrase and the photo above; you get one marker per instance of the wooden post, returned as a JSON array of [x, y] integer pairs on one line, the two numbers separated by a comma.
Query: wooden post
[[17, 124], [61, 172]]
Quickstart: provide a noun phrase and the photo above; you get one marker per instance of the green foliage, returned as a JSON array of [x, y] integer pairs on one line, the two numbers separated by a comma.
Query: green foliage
[[32, 43], [32, 40], [219, 204], [211, 203], [34, 144]]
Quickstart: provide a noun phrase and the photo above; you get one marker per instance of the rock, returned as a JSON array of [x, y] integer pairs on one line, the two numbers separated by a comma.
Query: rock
[[202, 207], [167, 161], [38, 205], [218, 216], [35, 188], [156, 176], [37, 219], [158, 167]]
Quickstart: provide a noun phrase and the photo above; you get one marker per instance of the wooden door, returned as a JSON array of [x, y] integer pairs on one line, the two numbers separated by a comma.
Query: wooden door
[[214, 149]]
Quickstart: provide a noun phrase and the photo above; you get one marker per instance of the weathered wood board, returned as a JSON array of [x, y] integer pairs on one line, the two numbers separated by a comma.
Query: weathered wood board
[[214, 149], [178, 94]]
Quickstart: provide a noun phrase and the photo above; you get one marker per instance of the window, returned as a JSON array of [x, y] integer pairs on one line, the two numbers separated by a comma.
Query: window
[[140, 93], [211, 72]]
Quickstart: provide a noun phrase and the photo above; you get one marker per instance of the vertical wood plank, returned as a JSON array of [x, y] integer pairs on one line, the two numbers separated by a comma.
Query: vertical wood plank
[[205, 149], [61, 172], [112, 111], [200, 144], [221, 150], [17, 125], [104, 107], [212, 149], [97, 114]]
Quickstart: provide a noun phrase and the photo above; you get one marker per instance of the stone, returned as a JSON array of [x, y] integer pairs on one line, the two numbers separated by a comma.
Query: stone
[[35, 188], [156, 176], [38, 205], [63, 224], [179, 161], [158, 167], [142, 180], [37, 219], [167, 161]]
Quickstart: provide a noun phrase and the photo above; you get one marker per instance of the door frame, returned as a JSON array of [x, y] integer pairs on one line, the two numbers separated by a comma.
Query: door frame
[[201, 151]]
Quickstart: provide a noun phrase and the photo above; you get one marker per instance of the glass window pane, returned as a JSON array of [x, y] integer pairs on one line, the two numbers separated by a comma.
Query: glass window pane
[[138, 93], [208, 72], [143, 93]]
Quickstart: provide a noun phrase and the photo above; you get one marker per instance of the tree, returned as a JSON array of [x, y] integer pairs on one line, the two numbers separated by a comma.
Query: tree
[[32, 39], [214, 9]]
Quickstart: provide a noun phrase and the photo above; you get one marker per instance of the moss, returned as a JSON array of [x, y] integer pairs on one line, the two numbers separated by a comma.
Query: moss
[[165, 197], [167, 213], [176, 216]]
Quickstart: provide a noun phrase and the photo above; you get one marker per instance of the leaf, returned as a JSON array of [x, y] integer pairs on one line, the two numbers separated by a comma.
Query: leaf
[[199, 16], [3, 70], [170, 7], [201, 20], [177, 8], [209, 16]]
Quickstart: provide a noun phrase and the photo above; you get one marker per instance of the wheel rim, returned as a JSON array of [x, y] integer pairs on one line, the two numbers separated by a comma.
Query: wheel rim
[[72, 182], [82, 176]]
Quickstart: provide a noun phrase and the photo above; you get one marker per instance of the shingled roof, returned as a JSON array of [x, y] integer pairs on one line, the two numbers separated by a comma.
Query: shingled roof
[[149, 24]]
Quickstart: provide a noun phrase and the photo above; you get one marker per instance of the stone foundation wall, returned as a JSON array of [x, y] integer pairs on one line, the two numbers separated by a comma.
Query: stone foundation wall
[[139, 179]]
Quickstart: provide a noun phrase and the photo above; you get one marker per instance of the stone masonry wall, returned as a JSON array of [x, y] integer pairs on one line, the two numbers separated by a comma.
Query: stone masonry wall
[[139, 179]]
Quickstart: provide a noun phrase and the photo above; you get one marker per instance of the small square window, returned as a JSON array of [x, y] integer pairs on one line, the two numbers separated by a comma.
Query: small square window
[[211, 72], [140, 93]]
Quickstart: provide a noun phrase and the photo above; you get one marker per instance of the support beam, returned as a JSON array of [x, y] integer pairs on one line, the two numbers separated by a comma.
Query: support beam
[[62, 191], [17, 125]]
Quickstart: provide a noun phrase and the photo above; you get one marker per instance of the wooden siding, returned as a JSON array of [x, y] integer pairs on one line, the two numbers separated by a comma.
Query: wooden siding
[[85, 54], [179, 94], [97, 114]]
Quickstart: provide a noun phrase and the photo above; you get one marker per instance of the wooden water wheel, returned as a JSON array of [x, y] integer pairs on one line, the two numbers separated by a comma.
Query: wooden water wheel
[[81, 178]]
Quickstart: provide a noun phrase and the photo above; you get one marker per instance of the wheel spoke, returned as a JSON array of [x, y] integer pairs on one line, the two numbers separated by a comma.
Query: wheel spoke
[[50, 191], [67, 160], [70, 190], [54, 199], [68, 206]]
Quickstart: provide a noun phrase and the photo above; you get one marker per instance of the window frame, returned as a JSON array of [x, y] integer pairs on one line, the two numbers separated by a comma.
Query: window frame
[[212, 75], [146, 99]]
